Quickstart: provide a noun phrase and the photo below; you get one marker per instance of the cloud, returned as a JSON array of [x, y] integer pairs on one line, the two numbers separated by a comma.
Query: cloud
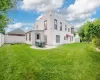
[[16, 25], [77, 13], [19, 25], [23, 26], [41, 5], [80, 10], [40, 16], [79, 24], [26, 29]]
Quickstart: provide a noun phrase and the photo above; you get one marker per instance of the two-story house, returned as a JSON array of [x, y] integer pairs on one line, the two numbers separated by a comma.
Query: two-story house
[[51, 29]]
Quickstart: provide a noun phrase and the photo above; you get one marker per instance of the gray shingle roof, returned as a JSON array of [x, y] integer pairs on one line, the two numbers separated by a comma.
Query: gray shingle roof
[[16, 31]]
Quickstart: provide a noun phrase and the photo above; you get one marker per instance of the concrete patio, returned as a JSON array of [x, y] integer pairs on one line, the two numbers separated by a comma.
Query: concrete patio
[[45, 48]]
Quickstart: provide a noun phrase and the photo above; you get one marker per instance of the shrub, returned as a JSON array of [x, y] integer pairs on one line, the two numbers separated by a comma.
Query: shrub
[[96, 42]]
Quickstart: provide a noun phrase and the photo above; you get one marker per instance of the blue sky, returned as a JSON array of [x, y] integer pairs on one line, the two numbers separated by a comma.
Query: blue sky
[[76, 12]]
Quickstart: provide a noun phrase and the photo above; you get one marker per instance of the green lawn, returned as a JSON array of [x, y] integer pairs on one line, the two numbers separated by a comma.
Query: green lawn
[[77, 61]]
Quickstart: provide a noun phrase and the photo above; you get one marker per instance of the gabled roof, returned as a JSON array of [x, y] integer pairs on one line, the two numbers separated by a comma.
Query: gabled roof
[[16, 31]]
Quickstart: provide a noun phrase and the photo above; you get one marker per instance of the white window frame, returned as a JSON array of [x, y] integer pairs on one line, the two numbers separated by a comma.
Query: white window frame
[[57, 38]]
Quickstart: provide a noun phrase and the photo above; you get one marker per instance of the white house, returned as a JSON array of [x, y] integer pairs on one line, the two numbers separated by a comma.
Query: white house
[[51, 29]]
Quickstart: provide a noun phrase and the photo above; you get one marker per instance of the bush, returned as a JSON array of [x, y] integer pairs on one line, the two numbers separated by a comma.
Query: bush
[[96, 42]]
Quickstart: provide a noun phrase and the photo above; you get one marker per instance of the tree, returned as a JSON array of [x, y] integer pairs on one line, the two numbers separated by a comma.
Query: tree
[[88, 31], [96, 28], [5, 5], [81, 33], [91, 32]]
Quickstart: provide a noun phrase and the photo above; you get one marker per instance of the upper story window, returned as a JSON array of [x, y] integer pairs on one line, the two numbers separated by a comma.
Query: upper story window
[[29, 36], [60, 26], [45, 25], [55, 24], [65, 28], [37, 27], [72, 30], [68, 29]]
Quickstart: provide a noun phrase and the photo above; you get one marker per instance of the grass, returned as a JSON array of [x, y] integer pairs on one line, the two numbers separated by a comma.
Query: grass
[[77, 61]]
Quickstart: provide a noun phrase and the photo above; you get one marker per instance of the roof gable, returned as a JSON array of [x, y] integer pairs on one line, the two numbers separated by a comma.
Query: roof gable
[[16, 31]]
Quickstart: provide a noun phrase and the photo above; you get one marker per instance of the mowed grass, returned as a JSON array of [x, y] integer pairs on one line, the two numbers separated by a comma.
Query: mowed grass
[[77, 61]]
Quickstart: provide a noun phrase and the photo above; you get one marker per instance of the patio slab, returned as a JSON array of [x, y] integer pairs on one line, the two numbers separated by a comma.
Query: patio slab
[[46, 47]]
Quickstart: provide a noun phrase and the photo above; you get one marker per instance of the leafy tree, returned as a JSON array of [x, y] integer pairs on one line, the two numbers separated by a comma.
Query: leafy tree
[[3, 22], [88, 31], [81, 33], [5, 5], [74, 33], [96, 28]]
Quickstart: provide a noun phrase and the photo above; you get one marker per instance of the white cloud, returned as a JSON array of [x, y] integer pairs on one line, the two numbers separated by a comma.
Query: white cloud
[[40, 16], [79, 24], [91, 19], [16, 25], [26, 29], [23, 26], [77, 13], [41, 5], [19, 25], [80, 10]]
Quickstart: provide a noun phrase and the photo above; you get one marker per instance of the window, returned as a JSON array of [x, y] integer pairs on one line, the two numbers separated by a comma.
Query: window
[[65, 28], [72, 38], [38, 36], [45, 25], [57, 38], [37, 27], [72, 30], [64, 37], [68, 29], [60, 26], [29, 36], [55, 24], [67, 37], [26, 37], [45, 38]]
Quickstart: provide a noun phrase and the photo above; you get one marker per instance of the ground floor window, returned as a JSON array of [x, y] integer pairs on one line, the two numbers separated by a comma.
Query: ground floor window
[[45, 38], [72, 38], [26, 37], [57, 38], [38, 36], [30, 36], [64, 37]]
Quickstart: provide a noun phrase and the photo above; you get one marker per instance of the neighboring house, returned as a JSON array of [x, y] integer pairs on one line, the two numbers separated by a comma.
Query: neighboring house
[[51, 29], [15, 36], [16, 32]]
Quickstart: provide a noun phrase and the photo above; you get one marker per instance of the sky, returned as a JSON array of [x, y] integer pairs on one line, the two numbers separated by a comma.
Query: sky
[[76, 12]]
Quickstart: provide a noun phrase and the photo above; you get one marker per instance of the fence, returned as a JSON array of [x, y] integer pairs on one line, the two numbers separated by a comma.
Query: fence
[[14, 39], [1, 39]]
